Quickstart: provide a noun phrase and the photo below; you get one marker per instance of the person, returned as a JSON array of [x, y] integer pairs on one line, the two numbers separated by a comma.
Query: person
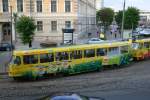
[[30, 44], [102, 36], [111, 32], [115, 35]]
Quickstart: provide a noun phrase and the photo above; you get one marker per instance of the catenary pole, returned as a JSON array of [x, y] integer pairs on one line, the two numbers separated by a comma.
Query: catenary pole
[[123, 17]]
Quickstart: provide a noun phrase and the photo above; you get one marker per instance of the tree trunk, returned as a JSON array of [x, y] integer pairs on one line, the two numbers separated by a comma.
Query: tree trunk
[[30, 44]]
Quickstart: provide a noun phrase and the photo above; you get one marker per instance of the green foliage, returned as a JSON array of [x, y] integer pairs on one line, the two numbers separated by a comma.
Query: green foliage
[[118, 18], [105, 15], [131, 18], [25, 27]]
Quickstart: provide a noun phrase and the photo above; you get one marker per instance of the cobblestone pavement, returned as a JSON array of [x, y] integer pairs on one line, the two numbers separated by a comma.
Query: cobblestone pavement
[[128, 83]]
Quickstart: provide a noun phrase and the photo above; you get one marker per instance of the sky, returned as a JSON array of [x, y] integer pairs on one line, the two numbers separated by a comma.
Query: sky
[[118, 4]]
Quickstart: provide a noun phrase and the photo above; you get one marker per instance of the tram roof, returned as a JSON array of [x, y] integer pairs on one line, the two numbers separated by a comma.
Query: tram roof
[[71, 48], [143, 40]]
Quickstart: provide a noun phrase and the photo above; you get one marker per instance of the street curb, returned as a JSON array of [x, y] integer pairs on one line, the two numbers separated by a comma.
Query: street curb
[[4, 73]]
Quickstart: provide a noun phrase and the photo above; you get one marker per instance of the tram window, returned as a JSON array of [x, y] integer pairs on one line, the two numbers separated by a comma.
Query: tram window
[[101, 52], [140, 46], [147, 45], [135, 46], [51, 57], [30, 59], [76, 54], [89, 53], [17, 60], [113, 51], [124, 49], [44, 58], [60, 56]]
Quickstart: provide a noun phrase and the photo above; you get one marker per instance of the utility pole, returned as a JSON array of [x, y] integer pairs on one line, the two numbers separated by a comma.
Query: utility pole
[[11, 18], [30, 8], [11, 40], [123, 17], [86, 16]]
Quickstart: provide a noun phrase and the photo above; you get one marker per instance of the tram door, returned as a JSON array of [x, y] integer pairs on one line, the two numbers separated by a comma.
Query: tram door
[[6, 32]]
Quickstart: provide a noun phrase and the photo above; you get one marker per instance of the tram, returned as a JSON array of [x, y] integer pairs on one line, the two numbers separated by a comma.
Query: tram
[[68, 60], [141, 49]]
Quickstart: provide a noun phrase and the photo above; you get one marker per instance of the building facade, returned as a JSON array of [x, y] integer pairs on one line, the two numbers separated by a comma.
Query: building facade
[[51, 16], [144, 18], [99, 4]]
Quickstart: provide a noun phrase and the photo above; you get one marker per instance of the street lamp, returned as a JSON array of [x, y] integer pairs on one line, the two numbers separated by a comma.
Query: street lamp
[[123, 17]]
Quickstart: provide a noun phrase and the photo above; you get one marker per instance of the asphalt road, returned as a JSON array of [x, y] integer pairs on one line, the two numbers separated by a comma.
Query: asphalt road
[[129, 83]]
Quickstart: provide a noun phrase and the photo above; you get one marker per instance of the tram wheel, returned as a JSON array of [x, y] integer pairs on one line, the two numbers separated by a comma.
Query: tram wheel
[[17, 78], [100, 69]]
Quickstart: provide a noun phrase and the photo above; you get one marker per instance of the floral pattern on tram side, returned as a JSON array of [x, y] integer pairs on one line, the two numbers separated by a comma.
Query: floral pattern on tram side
[[117, 60], [125, 59], [65, 67], [83, 67], [76, 66]]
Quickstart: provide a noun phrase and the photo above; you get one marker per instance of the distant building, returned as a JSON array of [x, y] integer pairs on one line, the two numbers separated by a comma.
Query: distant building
[[144, 18], [51, 16]]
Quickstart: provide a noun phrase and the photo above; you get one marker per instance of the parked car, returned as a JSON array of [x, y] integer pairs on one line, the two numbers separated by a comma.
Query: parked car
[[95, 41], [6, 47], [145, 32], [70, 97]]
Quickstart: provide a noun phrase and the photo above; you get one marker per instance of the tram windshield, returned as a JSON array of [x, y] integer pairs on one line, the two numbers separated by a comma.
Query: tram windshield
[[16, 60], [135, 46]]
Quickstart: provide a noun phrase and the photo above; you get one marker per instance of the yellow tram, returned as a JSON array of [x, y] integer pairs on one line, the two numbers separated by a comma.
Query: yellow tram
[[68, 60]]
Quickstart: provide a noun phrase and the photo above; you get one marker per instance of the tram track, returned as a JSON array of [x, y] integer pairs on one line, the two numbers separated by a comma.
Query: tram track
[[132, 77]]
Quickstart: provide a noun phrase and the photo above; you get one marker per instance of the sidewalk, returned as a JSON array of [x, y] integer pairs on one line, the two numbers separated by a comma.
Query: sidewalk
[[112, 36], [4, 61], [20, 46]]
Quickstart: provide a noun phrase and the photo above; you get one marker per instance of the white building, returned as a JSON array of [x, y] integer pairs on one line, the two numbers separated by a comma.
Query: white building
[[144, 17], [99, 4]]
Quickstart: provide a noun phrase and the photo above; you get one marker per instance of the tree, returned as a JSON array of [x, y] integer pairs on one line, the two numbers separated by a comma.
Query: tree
[[25, 27], [131, 18], [118, 18], [105, 16]]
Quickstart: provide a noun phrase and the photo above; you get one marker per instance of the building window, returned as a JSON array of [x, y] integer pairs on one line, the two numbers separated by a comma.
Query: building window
[[53, 6], [67, 6], [67, 24], [39, 26], [39, 5], [20, 5], [54, 25], [5, 5]]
